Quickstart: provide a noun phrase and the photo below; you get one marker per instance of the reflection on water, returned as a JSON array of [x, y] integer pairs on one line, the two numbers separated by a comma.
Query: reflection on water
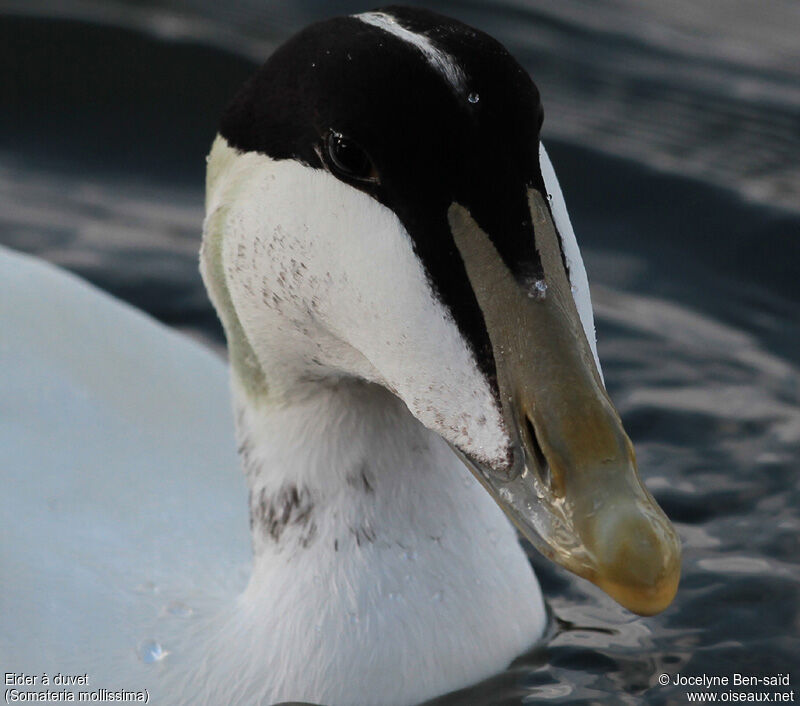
[[135, 239], [695, 290]]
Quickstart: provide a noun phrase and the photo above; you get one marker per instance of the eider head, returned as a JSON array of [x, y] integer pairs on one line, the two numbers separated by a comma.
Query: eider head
[[379, 208]]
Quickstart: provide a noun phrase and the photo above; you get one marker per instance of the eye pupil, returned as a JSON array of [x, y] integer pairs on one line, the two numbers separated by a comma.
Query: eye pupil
[[347, 158]]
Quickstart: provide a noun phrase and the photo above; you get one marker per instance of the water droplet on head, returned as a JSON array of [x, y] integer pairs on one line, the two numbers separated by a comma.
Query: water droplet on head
[[438, 596], [473, 97], [573, 288], [151, 651], [538, 289], [313, 65]]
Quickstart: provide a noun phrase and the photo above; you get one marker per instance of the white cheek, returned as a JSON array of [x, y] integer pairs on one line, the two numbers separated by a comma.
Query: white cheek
[[325, 282], [577, 272]]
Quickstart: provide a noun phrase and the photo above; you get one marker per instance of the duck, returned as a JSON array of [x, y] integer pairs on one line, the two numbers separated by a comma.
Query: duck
[[414, 380]]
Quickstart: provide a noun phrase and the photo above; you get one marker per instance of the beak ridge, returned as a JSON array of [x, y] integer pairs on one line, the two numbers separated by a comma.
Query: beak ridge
[[572, 486]]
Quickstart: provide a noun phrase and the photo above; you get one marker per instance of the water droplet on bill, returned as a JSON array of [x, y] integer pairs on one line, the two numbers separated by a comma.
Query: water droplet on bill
[[473, 98], [538, 289]]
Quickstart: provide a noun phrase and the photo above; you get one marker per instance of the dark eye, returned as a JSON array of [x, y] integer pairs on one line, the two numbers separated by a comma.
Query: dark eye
[[347, 159]]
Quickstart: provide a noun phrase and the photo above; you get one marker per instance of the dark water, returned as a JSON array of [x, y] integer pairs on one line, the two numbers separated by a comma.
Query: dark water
[[676, 134]]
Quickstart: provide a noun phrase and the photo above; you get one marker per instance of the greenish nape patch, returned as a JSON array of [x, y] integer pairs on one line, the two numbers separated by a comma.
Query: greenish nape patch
[[243, 359]]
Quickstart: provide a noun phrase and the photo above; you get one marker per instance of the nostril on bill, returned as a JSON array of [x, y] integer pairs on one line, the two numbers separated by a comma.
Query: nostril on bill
[[532, 442]]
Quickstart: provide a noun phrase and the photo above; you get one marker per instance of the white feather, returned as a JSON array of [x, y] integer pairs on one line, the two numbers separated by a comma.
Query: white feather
[[572, 253], [325, 283], [440, 60]]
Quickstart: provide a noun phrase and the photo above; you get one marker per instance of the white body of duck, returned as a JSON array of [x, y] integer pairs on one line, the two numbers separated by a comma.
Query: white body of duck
[[383, 572], [124, 512]]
